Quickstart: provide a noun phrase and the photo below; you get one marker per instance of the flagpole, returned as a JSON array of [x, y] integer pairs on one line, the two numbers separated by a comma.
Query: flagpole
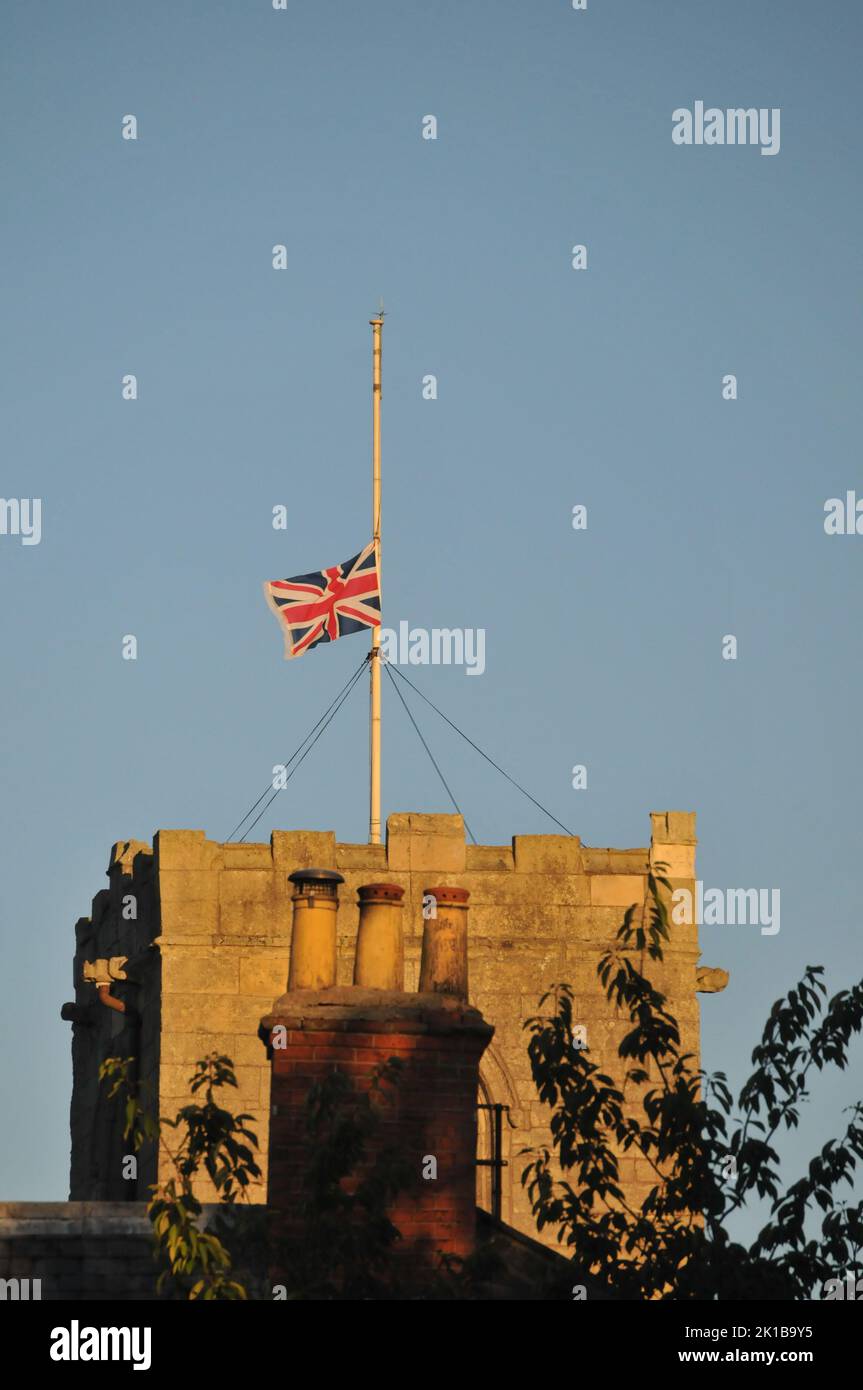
[[374, 663]]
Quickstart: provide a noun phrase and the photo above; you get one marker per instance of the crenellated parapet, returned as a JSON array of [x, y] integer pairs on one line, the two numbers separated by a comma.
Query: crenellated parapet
[[208, 949]]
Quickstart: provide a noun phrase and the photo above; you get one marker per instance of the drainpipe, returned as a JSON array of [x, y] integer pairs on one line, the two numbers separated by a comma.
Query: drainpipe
[[107, 998], [79, 1013]]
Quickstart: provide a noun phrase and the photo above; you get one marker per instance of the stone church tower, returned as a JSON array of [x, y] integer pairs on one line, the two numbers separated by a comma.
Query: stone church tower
[[189, 945]]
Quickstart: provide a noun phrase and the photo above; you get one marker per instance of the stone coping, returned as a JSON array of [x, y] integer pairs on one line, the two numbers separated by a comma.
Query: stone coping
[[82, 1218], [348, 1008], [73, 1219]]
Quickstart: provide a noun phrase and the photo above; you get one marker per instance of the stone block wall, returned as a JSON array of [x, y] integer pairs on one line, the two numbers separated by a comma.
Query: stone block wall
[[123, 922], [102, 1251], [210, 949], [58, 1251]]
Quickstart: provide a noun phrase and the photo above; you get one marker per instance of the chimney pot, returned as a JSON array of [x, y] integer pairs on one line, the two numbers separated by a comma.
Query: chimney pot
[[313, 940], [449, 895], [380, 892], [319, 883], [443, 969], [379, 962]]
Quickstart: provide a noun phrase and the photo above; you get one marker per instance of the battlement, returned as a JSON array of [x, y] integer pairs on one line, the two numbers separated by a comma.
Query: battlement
[[205, 929]]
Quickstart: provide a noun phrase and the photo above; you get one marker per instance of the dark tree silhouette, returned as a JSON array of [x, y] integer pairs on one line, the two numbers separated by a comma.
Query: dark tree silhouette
[[708, 1155]]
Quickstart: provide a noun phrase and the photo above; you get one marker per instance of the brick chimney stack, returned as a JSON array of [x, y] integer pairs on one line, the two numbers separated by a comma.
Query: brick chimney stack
[[438, 1039]]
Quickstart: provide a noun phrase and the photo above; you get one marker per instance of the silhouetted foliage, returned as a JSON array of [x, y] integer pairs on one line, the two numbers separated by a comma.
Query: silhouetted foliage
[[348, 1247], [196, 1263], [347, 1237], [707, 1155], [347, 1243]]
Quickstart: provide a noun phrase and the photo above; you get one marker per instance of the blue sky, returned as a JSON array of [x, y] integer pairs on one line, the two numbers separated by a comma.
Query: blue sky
[[556, 387]]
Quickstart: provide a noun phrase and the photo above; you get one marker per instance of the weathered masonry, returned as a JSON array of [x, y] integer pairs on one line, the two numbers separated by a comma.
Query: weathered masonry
[[189, 946]]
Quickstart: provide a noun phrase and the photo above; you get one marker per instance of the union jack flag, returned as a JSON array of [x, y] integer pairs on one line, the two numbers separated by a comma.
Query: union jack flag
[[327, 604]]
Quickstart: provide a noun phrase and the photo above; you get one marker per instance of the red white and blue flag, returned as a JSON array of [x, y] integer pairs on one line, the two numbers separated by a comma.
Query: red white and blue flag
[[327, 604]]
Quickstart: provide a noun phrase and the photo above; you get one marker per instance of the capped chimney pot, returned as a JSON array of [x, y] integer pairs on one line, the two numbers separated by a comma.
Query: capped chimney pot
[[379, 962], [322, 883], [313, 940]]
